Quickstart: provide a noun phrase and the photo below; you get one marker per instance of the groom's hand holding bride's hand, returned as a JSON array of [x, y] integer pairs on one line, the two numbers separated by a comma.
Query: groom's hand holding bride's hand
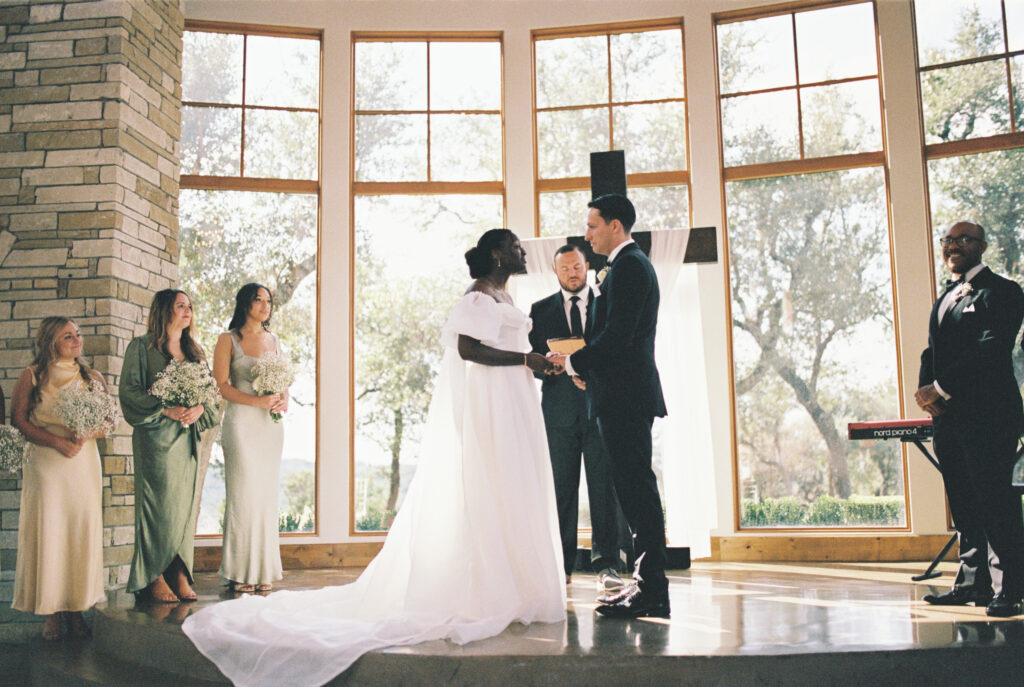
[[538, 363], [558, 360]]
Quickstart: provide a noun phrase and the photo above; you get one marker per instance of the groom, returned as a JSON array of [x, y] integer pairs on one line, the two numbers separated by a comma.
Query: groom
[[624, 392]]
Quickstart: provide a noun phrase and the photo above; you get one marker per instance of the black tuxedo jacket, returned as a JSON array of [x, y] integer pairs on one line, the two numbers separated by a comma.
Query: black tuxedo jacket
[[618, 361], [562, 402], [970, 353]]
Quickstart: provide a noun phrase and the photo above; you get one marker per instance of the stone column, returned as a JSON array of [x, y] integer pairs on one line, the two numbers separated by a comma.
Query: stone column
[[90, 123]]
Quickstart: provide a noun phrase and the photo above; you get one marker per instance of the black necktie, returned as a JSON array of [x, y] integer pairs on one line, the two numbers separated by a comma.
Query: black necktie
[[575, 321], [950, 283]]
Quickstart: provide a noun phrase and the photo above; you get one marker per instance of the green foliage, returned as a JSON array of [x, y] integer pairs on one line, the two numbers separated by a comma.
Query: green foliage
[[299, 516], [787, 511], [296, 521], [373, 521], [875, 510], [971, 100], [826, 511]]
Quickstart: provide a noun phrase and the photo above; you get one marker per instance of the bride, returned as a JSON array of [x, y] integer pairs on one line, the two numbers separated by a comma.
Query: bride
[[474, 547]]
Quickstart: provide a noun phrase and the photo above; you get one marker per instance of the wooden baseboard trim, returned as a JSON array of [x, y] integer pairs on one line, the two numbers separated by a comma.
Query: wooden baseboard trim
[[826, 547], [737, 547], [301, 556]]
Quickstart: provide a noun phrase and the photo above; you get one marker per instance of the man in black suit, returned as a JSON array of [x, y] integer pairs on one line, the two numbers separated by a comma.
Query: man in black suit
[[569, 312], [624, 390], [967, 384]]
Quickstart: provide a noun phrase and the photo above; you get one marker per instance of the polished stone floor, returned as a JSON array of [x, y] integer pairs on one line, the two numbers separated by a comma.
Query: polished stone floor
[[718, 609]]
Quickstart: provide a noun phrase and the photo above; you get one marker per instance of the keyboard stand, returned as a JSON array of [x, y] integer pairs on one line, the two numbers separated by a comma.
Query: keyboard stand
[[931, 573]]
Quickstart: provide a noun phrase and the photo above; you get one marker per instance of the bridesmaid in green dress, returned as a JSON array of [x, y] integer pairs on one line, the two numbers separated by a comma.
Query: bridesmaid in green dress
[[165, 445]]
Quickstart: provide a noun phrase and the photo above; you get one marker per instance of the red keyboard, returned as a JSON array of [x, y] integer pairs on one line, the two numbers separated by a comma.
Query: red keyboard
[[904, 430]]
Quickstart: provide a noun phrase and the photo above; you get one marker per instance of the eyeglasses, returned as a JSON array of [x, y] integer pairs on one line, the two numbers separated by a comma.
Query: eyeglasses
[[961, 240]]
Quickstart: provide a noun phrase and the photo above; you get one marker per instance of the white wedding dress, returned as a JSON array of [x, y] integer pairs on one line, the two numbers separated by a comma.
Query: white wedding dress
[[474, 547]]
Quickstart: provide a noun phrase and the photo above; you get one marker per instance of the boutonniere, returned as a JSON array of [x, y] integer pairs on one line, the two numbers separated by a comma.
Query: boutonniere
[[964, 290], [602, 274]]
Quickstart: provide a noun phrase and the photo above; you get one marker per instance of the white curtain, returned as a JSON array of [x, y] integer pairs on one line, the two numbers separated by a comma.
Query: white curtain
[[685, 435]]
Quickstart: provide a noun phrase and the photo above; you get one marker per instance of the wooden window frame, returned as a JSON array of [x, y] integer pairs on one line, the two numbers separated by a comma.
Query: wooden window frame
[[796, 167], [680, 177], [801, 164], [978, 144], [406, 188], [429, 185], [200, 182]]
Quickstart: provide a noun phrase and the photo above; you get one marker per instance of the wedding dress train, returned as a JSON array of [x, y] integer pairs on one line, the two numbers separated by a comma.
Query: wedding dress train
[[474, 547]]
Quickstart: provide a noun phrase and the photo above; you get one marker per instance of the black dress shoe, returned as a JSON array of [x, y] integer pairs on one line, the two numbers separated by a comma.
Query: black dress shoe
[[637, 604], [1004, 606], [960, 596], [614, 597]]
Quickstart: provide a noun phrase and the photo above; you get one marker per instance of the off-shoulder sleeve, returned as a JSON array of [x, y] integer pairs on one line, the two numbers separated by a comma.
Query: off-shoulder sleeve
[[139, 407], [476, 315]]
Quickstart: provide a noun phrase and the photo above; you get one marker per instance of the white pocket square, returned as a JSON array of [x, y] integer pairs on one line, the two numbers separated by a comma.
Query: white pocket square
[[969, 308]]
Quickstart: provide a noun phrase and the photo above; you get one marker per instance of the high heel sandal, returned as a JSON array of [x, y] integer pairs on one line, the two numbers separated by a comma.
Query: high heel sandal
[[157, 593], [242, 588]]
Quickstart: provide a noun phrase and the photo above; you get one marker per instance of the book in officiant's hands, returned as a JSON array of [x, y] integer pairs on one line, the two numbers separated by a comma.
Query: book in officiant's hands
[[567, 345]]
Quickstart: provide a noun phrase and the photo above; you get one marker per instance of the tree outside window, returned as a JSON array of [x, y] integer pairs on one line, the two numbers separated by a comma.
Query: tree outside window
[[248, 212], [428, 183], [813, 346], [627, 93]]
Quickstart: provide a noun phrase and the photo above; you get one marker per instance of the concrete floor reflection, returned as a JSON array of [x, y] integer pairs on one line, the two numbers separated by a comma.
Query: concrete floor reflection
[[717, 609]]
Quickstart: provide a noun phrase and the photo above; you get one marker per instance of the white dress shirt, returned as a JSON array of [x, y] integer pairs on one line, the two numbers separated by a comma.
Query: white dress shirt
[[611, 256]]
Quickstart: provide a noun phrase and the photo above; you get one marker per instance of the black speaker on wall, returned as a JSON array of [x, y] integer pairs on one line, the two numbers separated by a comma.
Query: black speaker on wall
[[607, 173]]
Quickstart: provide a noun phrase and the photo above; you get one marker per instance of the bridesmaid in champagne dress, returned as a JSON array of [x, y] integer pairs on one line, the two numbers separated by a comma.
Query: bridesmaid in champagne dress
[[60, 534], [252, 444]]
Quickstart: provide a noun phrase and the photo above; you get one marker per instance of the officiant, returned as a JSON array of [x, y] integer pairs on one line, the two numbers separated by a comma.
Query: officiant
[[566, 314]]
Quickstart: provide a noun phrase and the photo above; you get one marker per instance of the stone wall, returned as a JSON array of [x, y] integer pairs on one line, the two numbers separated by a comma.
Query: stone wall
[[90, 103]]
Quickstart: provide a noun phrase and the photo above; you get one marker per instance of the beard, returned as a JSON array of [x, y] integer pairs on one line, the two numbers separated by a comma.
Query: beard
[[570, 289]]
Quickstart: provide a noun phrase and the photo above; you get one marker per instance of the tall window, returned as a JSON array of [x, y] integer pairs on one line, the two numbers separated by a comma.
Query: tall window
[[428, 181], [611, 89], [810, 273], [971, 57], [249, 212]]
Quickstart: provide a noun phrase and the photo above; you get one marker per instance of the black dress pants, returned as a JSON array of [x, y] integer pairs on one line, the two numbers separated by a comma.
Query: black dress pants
[[628, 440], [977, 469], [610, 534]]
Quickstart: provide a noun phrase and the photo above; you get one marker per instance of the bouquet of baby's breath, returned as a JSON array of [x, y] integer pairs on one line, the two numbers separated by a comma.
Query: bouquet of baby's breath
[[272, 374], [186, 384], [87, 411], [12, 449]]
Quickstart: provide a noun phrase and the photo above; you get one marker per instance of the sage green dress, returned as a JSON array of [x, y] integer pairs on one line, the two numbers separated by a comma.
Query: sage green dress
[[165, 457]]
